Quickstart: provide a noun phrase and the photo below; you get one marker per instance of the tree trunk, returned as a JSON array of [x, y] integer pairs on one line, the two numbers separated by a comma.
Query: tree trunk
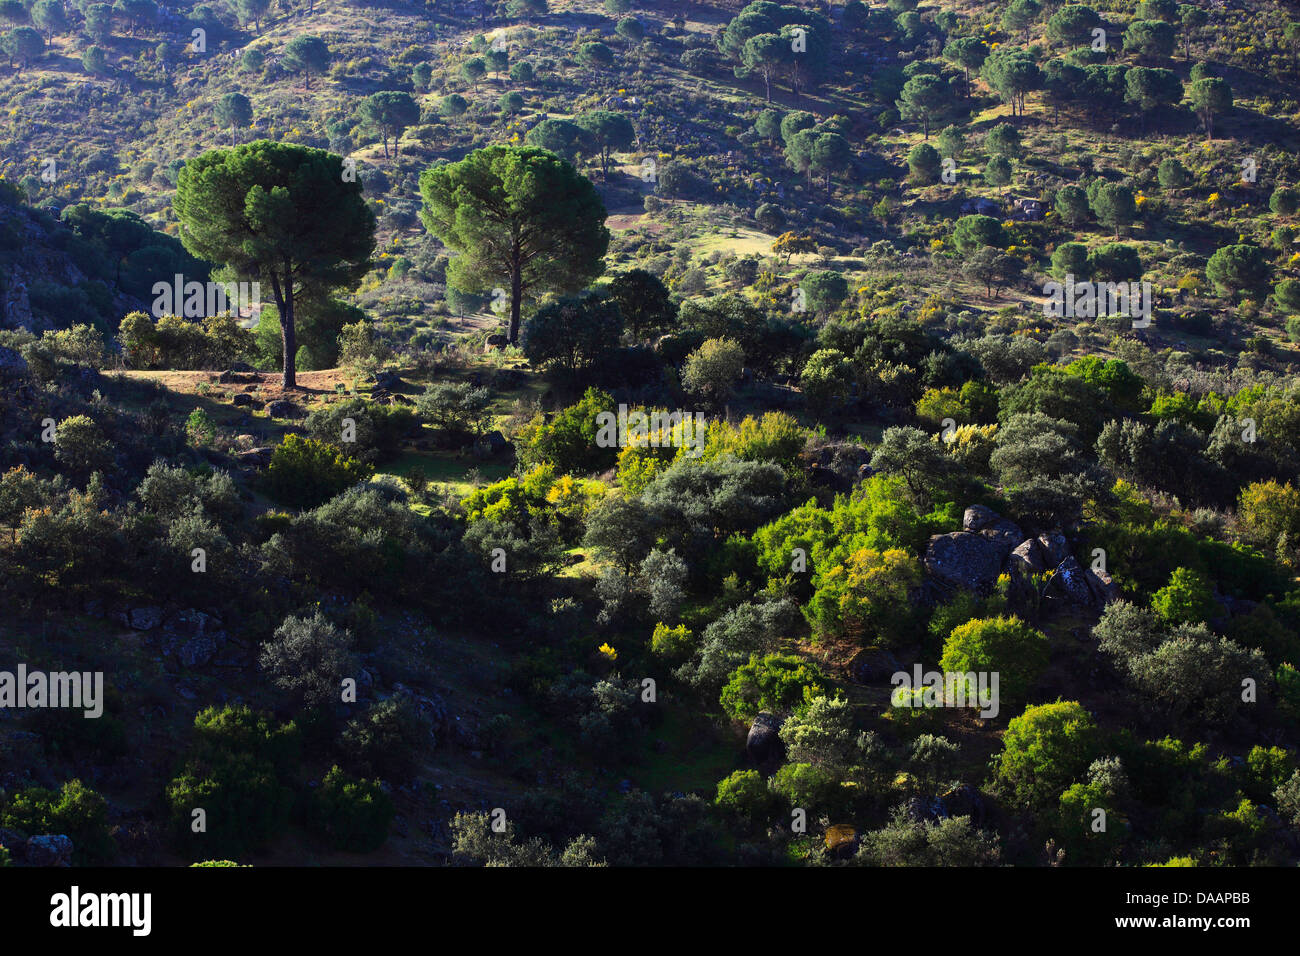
[[516, 291], [288, 338]]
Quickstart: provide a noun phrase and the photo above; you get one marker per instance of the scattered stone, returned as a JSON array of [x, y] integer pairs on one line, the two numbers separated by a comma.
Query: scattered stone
[[509, 379], [924, 809]]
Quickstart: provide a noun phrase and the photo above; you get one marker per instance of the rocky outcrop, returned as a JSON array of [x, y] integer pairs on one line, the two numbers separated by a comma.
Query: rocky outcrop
[[964, 559], [15, 307], [989, 545]]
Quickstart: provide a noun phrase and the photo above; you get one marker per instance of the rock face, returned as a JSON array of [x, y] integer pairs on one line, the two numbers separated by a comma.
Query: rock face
[[1026, 559], [48, 850], [1072, 581], [763, 743], [965, 559], [1004, 535], [12, 364], [16, 308], [191, 638]]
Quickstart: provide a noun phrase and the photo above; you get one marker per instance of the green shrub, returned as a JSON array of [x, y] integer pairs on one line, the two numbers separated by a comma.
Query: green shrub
[[774, 682], [73, 810], [305, 472], [353, 815]]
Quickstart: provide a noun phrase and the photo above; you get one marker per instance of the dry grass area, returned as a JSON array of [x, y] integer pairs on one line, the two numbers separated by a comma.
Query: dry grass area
[[311, 390]]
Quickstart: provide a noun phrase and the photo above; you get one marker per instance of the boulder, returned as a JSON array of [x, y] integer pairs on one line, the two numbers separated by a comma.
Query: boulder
[[256, 457], [822, 477], [841, 841], [388, 380], [49, 850], [763, 744], [1055, 549], [967, 560], [1004, 535], [192, 638], [1104, 590], [284, 409], [242, 399], [1025, 559], [234, 375], [977, 517], [1073, 581], [144, 618], [924, 809], [493, 443]]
